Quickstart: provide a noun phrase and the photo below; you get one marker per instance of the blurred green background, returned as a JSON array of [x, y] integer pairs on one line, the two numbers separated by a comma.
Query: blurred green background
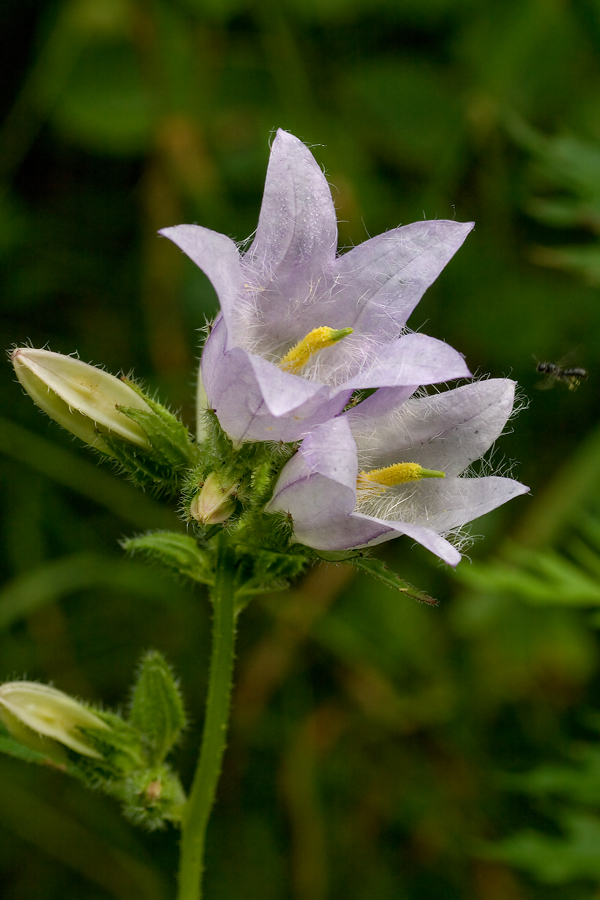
[[379, 749]]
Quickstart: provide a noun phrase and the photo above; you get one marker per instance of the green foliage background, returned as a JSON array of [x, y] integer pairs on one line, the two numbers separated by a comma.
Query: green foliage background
[[379, 749]]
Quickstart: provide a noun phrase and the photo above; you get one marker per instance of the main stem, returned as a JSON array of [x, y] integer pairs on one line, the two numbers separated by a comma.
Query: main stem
[[204, 787]]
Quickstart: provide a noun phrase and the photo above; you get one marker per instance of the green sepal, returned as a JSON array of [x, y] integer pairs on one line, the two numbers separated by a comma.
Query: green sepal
[[144, 468], [379, 570], [177, 552], [262, 479], [157, 708], [168, 436], [151, 797], [265, 570], [122, 747]]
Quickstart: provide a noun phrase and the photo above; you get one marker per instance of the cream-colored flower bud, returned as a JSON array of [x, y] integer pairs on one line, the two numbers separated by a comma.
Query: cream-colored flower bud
[[30, 710], [213, 504], [81, 398]]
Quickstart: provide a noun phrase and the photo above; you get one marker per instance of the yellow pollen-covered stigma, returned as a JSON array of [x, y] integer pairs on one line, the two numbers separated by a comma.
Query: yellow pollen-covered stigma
[[399, 473], [317, 339]]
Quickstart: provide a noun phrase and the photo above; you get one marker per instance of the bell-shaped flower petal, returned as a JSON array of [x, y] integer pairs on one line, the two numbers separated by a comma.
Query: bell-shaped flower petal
[[82, 398], [321, 489], [291, 282]]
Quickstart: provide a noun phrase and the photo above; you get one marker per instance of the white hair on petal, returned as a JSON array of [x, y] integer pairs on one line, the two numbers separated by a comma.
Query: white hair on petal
[[257, 334], [461, 539]]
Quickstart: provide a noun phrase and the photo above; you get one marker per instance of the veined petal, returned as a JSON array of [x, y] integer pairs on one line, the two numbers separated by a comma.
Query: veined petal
[[330, 451], [428, 538], [254, 400], [318, 484], [282, 391], [414, 359], [219, 259], [344, 532], [297, 227], [455, 501], [322, 520], [446, 431], [379, 283], [381, 403], [294, 427], [214, 369]]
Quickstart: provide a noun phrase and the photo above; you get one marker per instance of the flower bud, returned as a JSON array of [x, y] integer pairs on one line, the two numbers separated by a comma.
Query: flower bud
[[152, 797], [83, 399], [213, 504], [31, 711]]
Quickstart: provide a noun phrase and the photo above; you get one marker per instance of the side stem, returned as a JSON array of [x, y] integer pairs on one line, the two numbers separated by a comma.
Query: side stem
[[202, 796]]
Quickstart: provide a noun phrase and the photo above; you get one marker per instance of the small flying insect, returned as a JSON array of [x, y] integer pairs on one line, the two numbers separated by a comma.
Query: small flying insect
[[554, 372]]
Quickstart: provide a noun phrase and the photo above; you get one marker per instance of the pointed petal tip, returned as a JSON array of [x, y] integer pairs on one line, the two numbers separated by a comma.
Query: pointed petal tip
[[450, 229], [286, 137], [285, 143], [171, 230]]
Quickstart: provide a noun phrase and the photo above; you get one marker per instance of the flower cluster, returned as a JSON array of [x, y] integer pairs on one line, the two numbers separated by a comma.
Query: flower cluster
[[303, 336], [301, 329]]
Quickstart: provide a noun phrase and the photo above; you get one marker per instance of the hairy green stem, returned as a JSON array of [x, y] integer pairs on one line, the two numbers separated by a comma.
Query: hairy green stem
[[202, 796]]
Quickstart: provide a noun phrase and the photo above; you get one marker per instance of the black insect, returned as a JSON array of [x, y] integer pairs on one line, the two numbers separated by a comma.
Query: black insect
[[554, 372]]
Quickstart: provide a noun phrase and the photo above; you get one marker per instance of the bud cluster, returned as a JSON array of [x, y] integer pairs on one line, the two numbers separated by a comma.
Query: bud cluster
[[219, 484], [123, 757]]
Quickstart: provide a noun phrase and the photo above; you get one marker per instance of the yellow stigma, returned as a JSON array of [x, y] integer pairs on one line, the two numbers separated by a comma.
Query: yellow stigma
[[400, 473], [317, 339]]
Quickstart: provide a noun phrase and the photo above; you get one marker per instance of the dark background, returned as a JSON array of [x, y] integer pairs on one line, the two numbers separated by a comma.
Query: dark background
[[379, 749]]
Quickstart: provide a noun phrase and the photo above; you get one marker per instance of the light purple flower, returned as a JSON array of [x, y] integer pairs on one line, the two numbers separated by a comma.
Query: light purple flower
[[333, 508], [291, 282]]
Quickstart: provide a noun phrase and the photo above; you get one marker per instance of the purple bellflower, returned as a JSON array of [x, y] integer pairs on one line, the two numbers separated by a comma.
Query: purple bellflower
[[392, 466], [301, 328]]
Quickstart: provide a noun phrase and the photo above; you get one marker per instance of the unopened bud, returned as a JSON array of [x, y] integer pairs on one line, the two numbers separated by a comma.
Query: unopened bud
[[83, 399], [213, 504], [31, 711]]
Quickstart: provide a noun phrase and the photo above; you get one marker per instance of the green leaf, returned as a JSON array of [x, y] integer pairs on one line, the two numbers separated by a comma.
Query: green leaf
[[551, 859], [379, 570], [177, 552], [157, 708], [543, 577]]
